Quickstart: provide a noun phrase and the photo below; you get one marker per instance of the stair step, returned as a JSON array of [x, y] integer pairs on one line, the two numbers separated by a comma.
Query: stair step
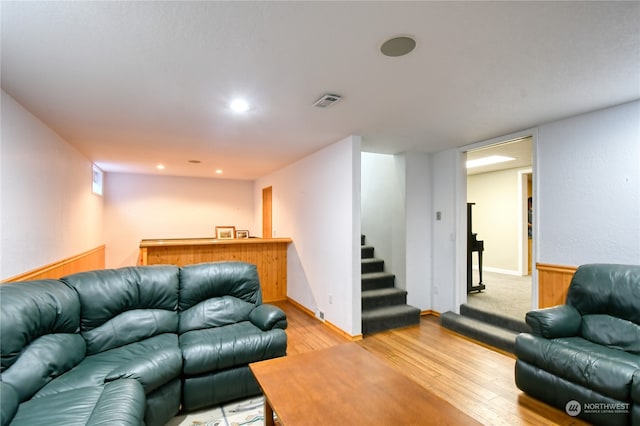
[[366, 252], [372, 265], [383, 306], [381, 319], [496, 319], [490, 334], [377, 280], [372, 299]]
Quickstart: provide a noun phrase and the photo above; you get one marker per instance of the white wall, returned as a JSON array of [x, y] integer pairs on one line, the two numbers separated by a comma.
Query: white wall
[[418, 230], [398, 202], [588, 199], [382, 208], [151, 206], [316, 202], [496, 218], [47, 209], [444, 232]]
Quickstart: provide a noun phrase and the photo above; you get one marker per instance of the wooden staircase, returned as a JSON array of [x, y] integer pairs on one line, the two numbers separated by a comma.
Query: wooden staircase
[[384, 306]]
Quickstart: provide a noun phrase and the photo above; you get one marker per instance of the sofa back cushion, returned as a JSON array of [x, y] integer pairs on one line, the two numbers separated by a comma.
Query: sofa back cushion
[[126, 305], [215, 312], [607, 289], [613, 332], [217, 293], [608, 298], [39, 340]]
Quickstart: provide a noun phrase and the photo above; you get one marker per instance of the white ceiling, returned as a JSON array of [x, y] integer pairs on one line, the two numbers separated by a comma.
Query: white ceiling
[[133, 84], [521, 150]]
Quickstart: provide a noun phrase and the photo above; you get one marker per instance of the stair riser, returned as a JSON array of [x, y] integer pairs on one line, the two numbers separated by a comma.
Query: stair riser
[[387, 323], [498, 341], [497, 320], [379, 302], [377, 266], [366, 252], [378, 283]]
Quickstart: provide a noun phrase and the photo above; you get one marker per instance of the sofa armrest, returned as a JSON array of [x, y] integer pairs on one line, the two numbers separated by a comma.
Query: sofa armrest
[[557, 321], [635, 387], [268, 317], [8, 403]]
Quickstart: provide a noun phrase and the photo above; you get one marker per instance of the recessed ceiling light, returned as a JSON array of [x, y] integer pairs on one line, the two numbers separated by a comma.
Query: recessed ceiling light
[[160, 167], [219, 171], [239, 105], [398, 46], [485, 161]]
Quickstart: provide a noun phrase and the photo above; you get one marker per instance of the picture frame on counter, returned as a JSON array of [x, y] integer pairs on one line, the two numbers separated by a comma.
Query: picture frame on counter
[[225, 232], [242, 234]]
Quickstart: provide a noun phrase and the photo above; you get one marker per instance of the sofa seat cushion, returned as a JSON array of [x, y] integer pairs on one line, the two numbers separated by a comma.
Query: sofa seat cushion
[[117, 403], [218, 348], [605, 370], [152, 362]]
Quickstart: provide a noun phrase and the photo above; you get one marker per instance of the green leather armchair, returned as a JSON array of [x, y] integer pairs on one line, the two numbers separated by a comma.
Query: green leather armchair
[[584, 356]]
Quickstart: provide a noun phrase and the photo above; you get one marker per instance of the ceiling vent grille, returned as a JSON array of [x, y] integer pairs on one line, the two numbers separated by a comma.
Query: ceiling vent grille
[[327, 100]]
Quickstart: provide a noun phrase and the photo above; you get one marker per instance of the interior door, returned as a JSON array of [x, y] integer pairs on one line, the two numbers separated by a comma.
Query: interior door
[[267, 212]]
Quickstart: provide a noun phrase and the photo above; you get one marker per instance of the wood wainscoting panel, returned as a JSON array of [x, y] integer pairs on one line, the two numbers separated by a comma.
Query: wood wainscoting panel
[[87, 261], [553, 283], [269, 256]]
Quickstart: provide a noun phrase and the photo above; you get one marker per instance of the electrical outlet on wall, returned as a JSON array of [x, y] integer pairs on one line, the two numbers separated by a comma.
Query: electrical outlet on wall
[[330, 299]]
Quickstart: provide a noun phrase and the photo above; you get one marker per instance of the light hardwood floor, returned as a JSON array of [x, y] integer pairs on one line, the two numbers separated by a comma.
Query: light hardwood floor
[[477, 380]]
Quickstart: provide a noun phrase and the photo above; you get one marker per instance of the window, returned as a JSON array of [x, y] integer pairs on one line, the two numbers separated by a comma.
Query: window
[[96, 183]]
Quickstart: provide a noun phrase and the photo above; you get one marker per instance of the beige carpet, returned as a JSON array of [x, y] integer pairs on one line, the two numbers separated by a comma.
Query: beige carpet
[[245, 412], [508, 295]]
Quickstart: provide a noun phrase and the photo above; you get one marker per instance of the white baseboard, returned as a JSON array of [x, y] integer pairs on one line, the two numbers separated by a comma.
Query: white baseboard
[[498, 270]]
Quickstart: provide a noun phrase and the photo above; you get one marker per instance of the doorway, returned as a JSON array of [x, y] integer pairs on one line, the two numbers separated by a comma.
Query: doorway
[[500, 185], [267, 212]]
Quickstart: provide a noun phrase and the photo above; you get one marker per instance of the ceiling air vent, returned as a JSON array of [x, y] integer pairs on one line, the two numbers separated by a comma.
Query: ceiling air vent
[[327, 100]]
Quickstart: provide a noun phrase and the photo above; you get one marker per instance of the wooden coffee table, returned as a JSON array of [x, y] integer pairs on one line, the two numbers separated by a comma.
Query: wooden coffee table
[[345, 384]]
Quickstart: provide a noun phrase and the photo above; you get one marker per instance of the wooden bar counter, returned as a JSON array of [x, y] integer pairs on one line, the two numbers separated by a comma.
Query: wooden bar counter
[[268, 254]]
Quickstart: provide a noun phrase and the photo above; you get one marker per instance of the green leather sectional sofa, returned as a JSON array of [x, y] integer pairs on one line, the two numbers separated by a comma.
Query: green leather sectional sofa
[[133, 346], [584, 357]]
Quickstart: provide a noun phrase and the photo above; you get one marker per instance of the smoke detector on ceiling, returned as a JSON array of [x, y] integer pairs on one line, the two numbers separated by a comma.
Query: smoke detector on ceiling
[[327, 100]]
